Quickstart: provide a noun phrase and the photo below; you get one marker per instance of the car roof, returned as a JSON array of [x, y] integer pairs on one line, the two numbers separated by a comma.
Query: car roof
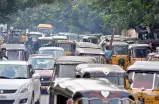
[[90, 51], [144, 66], [119, 43], [13, 46], [87, 45], [99, 68], [90, 36], [15, 62], [45, 38], [138, 45], [38, 33], [80, 84], [59, 37], [41, 56], [74, 60], [65, 41], [51, 48]]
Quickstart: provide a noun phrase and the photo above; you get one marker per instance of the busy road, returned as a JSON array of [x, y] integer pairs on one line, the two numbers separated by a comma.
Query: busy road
[[44, 99]]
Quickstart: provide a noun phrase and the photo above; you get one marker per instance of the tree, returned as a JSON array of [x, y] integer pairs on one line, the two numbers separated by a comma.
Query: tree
[[76, 17], [9, 7], [128, 13]]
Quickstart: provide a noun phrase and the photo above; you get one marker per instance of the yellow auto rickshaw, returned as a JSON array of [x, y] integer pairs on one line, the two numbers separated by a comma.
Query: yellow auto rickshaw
[[145, 81], [91, 39], [119, 54], [138, 52], [68, 46]]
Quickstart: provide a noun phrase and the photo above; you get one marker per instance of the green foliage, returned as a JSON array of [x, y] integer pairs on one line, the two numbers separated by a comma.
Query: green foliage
[[77, 18], [128, 13]]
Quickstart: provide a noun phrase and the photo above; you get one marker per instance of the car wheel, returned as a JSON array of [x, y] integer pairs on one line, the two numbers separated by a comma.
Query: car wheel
[[37, 102]]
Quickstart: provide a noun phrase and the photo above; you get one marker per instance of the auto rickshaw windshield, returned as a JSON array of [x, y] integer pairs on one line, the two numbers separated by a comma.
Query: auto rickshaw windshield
[[65, 71], [140, 52], [15, 55], [43, 42], [66, 47], [116, 80], [145, 80], [120, 50]]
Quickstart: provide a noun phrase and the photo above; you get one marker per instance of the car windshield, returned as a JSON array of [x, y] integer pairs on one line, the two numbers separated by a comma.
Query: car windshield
[[65, 71], [143, 80], [66, 47], [14, 71], [45, 30], [15, 55], [42, 63], [120, 50], [140, 52], [55, 53]]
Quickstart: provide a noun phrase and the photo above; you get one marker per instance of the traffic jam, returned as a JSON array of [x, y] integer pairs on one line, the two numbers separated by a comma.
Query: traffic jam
[[78, 69]]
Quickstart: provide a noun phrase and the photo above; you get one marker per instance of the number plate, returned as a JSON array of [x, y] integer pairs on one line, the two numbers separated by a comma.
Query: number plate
[[2, 97]]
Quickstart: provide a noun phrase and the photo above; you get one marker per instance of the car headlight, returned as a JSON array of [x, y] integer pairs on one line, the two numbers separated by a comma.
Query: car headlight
[[24, 88]]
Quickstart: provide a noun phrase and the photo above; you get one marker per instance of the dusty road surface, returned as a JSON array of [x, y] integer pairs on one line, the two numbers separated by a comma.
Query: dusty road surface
[[44, 99]]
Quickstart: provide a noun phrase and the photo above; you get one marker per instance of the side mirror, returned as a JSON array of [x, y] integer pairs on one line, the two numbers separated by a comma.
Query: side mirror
[[87, 75], [36, 76]]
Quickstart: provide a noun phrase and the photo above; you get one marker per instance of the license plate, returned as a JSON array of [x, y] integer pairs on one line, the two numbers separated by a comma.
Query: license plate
[[44, 87], [2, 97]]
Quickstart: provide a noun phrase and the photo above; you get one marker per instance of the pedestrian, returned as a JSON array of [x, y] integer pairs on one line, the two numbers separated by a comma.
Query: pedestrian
[[3, 54], [108, 54]]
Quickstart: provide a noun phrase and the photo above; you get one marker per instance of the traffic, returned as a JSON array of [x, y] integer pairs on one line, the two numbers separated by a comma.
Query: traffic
[[93, 69]]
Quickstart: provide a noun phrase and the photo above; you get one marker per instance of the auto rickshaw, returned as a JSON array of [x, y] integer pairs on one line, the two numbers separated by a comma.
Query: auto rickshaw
[[44, 41], [16, 51], [88, 91], [87, 45], [138, 52], [119, 54], [97, 53], [145, 81], [113, 73], [56, 38], [68, 46], [35, 35], [91, 39], [65, 65]]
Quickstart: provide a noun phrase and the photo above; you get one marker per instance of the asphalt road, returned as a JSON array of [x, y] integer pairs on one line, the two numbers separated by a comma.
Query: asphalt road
[[44, 99]]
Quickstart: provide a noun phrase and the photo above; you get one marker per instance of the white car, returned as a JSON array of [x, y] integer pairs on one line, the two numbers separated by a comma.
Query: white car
[[55, 51], [19, 83]]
